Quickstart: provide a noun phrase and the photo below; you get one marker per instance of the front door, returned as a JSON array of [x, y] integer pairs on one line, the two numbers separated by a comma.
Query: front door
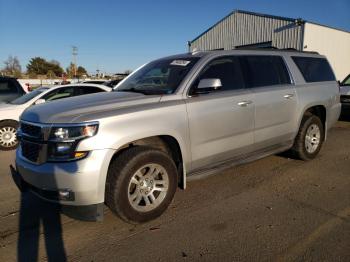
[[221, 122]]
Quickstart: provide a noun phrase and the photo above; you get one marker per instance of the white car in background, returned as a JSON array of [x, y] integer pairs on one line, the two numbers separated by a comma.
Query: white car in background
[[11, 111]]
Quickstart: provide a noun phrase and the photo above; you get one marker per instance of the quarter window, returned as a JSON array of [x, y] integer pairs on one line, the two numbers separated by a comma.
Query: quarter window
[[314, 69]]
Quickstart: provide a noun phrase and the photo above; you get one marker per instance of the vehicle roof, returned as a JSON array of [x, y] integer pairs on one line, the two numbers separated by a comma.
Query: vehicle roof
[[245, 51]]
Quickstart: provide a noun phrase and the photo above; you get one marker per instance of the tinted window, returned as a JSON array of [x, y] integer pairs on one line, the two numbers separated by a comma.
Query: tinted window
[[265, 71], [227, 69], [85, 90], [7, 87], [314, 69]]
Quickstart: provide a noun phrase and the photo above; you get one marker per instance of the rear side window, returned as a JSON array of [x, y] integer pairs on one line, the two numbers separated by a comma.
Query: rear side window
[[265, 71], [85, 90], [314, 69]]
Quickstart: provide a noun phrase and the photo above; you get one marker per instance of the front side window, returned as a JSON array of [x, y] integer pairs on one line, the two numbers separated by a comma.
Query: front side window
[[158, 77], [262, 70], [227, 69], [59, 93], [314, 69]]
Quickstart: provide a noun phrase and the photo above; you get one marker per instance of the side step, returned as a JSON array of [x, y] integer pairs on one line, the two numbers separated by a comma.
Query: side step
[[200, 174]]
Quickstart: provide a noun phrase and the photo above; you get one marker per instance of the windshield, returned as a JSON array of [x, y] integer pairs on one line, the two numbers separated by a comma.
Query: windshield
[[158, 77], [25, 98]]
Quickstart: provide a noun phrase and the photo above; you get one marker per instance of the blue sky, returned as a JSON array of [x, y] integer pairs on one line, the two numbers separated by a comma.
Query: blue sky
[[118, 35]]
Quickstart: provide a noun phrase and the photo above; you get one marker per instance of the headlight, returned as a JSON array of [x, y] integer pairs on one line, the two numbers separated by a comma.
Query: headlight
[[63, 141], [73, 132]]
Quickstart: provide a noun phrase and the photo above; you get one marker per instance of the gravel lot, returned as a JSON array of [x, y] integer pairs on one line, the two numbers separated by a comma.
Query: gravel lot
[[272, 209]]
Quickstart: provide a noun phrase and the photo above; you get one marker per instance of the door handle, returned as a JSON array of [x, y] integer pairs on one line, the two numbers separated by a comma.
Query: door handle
[[244, 103], [288, 96]]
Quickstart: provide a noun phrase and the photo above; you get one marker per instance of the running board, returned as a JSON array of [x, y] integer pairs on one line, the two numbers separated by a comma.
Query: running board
[[247, 158]]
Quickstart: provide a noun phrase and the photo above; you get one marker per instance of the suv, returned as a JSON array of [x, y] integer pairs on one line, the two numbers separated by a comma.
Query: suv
[[10, 89], [176, 117]]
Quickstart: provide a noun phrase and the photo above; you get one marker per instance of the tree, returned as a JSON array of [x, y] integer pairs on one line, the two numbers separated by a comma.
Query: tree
[[39, 66], [81, 71], [12, 66]]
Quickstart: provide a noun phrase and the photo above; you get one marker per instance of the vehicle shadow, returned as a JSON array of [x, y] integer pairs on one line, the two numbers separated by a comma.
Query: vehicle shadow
[[38, 218]]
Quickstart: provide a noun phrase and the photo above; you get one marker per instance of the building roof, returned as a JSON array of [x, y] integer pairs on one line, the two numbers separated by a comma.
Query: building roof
[[266, 16]]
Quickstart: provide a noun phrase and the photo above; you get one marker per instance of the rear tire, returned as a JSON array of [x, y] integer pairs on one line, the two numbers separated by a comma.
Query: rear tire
[[8, 139], [141, 184], [309, 140]]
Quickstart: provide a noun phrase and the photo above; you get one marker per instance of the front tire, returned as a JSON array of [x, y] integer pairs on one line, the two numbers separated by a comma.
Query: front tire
[[310, 138], [8, 138], [141, 184]]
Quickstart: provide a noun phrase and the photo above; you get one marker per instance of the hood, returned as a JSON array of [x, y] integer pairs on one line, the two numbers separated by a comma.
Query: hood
[[85, 108], [6, 106]]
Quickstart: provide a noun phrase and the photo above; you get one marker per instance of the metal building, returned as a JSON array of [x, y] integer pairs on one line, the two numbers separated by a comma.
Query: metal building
[[248, 29]]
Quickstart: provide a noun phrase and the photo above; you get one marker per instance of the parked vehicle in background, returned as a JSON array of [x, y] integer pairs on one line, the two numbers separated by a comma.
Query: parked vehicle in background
[[11, 111], [180, 116], [112, 83], [10, 89], [345, 95]]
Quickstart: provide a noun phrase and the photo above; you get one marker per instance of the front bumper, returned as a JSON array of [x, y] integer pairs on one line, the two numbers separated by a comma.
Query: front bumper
[[77, 183], [87, 213]]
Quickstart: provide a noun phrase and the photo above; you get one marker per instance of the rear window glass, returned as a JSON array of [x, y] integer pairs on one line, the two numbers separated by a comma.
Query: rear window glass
[[314, 69], [265, 71]]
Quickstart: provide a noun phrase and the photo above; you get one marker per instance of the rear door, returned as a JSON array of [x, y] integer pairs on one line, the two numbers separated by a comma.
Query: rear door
[[274, 96], [221, 122]]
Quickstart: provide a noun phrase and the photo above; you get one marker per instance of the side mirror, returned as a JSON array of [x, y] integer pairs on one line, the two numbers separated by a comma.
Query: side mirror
[[209, 84], [39, 101]]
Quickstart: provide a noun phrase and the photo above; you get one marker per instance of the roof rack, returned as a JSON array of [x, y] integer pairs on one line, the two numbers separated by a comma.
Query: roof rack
[[274, 49]]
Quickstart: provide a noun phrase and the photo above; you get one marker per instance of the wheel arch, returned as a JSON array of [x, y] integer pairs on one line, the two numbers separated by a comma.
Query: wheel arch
[[318, 110], [166, 143]]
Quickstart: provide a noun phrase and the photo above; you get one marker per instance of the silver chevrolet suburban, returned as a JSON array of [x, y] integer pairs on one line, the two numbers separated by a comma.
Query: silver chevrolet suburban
[[173, 118]]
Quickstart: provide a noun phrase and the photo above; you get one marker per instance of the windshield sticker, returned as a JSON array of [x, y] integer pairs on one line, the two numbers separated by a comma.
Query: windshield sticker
[[180, 62]]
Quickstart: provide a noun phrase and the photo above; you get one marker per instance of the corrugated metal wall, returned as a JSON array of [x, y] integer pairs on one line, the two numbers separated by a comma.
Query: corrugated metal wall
[[242, 28]]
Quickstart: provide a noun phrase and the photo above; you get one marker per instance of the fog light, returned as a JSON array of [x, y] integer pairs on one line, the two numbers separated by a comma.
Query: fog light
[[63, 148]]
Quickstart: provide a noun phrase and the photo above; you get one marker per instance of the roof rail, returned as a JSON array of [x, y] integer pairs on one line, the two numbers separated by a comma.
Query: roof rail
[[272, 48]]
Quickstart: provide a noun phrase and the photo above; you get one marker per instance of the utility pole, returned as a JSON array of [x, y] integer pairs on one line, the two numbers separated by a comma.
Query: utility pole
[[74, 55]]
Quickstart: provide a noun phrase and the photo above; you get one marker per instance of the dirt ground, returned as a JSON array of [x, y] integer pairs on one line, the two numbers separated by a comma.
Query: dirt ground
[[272, 209]]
